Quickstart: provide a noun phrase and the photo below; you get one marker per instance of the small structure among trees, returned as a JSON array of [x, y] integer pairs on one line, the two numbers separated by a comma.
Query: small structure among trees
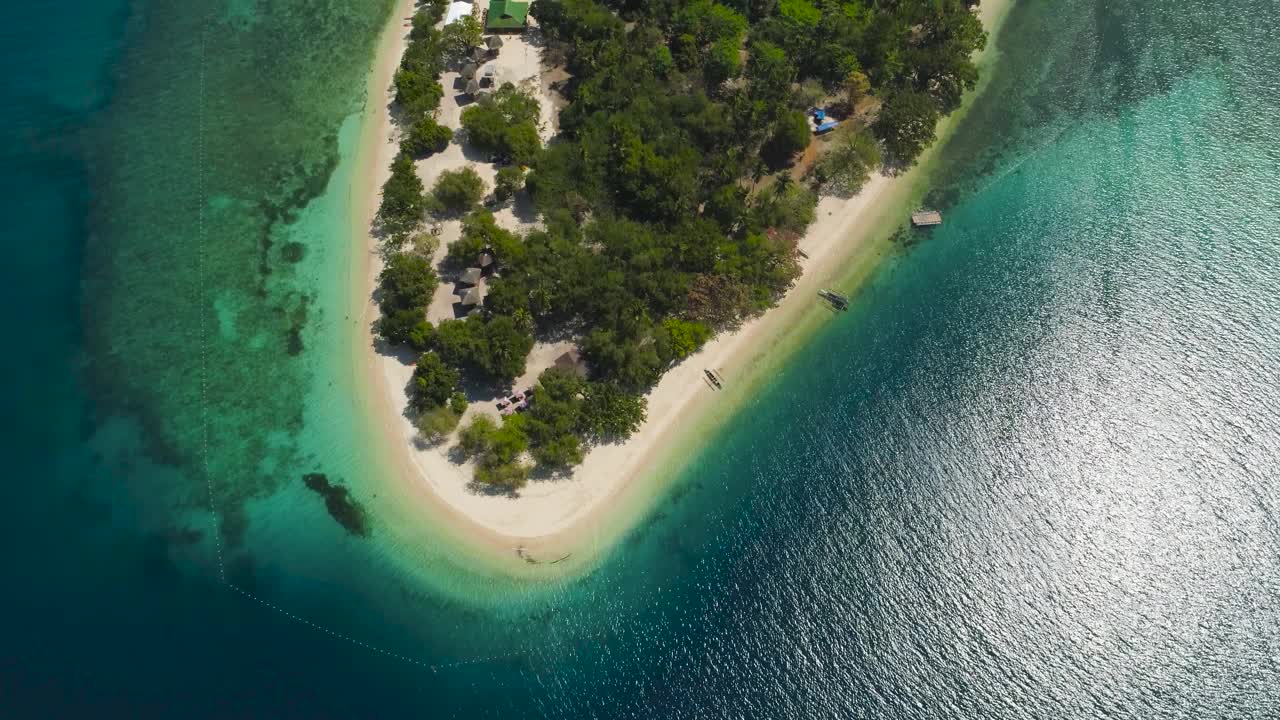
[[506, 16], [458, 10], [570, 361]]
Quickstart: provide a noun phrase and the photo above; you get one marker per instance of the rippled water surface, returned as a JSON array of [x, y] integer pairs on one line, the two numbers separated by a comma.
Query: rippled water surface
[[1032, 474]]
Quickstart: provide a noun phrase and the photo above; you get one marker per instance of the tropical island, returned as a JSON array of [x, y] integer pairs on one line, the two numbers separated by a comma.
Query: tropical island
[[583, 195]]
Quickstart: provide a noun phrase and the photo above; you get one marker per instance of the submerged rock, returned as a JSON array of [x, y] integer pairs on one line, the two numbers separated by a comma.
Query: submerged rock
[[338, 501]]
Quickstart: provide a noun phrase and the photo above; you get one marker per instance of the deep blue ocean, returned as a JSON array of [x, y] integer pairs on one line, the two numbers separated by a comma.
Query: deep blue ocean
[[1031, 474]]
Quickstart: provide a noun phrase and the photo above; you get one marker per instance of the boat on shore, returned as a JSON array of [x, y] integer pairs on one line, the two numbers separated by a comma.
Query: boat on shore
[[713, 378], [838, 301]]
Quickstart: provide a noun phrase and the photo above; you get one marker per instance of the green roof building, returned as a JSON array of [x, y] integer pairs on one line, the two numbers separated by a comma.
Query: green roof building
[[506, 16]]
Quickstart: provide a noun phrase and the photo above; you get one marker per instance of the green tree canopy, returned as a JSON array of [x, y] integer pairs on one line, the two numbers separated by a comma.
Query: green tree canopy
[[907, 124], [505, 123], [551, 422], [460, 36], [480, 232], [686, 336], [417, 93], [433, 383], [848, 164], [476, 437], [407, 282], [458, 191], [406, 326], [770, 72], [496, 451], [426, 137], [609, 413], [507, 348], [509, 181], [785, 206], [723, 62], [493, 349], [434, 425], [403, 203], [791, 134]]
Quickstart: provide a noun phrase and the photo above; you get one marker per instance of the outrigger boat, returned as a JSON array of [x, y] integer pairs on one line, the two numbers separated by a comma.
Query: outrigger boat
[[712, 377], [838, 301]]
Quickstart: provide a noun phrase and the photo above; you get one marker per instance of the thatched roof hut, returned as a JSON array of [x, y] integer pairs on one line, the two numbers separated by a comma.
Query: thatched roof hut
[[571, 361], [469, 70], [473, 87], [493, 42], [471, 276], [472, 296], [486, 259]]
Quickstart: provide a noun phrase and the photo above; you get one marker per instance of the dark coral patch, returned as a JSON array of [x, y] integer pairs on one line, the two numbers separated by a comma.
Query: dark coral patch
[[293, 341], [293, 252], [338, 501]]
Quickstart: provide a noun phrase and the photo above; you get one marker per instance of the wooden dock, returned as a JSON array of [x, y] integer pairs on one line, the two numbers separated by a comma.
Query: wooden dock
[[926, 218]]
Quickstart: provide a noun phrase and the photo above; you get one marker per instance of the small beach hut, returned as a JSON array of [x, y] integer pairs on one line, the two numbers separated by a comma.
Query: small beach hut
[[471, 276], [456, 11], [473, 87], [493, 42], [571, 361], [506, 16], [471, 297], [486, 259], [469, 70]]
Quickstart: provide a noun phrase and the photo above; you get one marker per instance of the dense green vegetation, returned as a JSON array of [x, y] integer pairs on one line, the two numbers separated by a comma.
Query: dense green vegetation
[[457, 191], [509, 181], [505, 123], [426, 137], [403, 205], [567, 410], [491, 349], [434, 382], [458, 38], [407, 282], [418, 95], [669, 203], [417, 81], [496, 451], [848, 163]]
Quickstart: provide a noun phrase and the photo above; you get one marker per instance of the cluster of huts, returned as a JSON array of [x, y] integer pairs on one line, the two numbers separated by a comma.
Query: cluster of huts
[[478, 80], [500, 17], [471, 283]]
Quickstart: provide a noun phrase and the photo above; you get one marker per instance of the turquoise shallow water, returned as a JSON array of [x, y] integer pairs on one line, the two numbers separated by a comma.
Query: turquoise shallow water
[[1030, 474]]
